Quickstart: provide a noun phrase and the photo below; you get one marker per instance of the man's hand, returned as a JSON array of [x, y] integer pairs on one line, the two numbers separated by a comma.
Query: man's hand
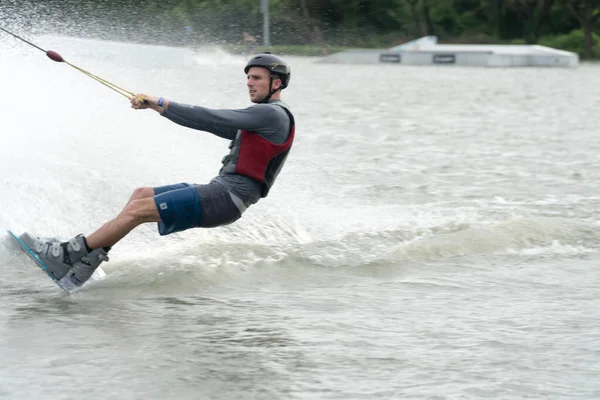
[[142, 102]]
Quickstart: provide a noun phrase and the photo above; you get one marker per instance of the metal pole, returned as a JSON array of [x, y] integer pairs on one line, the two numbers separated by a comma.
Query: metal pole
[[264, 8]]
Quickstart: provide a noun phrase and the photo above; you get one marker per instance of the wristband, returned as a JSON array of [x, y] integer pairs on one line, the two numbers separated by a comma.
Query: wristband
[[161, 102]]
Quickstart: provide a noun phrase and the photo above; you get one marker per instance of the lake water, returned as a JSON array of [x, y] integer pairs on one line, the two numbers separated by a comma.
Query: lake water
[[434, 234]]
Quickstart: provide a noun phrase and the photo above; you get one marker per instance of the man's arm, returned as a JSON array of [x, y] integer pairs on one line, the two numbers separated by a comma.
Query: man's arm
[[223, 123]]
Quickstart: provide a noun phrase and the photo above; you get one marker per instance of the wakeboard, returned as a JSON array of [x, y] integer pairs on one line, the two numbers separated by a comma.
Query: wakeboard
[[64, 284]]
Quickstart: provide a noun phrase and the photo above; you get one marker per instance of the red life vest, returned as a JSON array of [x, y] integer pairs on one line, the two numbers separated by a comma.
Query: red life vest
[[255, 157]]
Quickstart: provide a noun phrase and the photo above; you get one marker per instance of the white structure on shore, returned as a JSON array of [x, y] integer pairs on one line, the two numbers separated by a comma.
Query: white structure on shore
[[426, 51]]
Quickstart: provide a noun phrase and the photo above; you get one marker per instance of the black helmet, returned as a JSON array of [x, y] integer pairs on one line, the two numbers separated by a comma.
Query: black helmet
[[274, 64]]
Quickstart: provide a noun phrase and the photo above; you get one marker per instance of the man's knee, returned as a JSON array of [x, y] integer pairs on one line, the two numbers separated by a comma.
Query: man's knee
[[142, 193], [142, 210]]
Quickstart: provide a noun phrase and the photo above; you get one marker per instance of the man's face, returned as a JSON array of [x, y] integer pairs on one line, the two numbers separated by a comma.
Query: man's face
[[258, 83]]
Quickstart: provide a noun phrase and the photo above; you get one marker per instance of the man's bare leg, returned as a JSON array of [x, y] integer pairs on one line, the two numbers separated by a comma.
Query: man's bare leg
[[141, 193], [140, 209]]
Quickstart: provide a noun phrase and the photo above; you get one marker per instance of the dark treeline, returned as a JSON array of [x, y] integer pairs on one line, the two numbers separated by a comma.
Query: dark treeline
[[567, 24]]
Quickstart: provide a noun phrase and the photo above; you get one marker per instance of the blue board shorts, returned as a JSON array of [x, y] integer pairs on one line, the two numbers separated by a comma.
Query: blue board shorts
[[183, 206]]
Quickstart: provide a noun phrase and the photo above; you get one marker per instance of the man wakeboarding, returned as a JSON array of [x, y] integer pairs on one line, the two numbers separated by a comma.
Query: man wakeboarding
[[261, 137]]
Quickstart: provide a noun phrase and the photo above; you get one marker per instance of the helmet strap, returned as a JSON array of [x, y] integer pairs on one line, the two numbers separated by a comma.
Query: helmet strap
[[272, 92]]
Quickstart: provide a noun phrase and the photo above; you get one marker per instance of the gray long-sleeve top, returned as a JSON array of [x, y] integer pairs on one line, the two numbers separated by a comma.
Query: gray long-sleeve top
[[268, 120]]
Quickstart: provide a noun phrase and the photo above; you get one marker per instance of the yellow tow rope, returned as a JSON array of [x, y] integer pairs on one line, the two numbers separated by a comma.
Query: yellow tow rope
[[106, 83]]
